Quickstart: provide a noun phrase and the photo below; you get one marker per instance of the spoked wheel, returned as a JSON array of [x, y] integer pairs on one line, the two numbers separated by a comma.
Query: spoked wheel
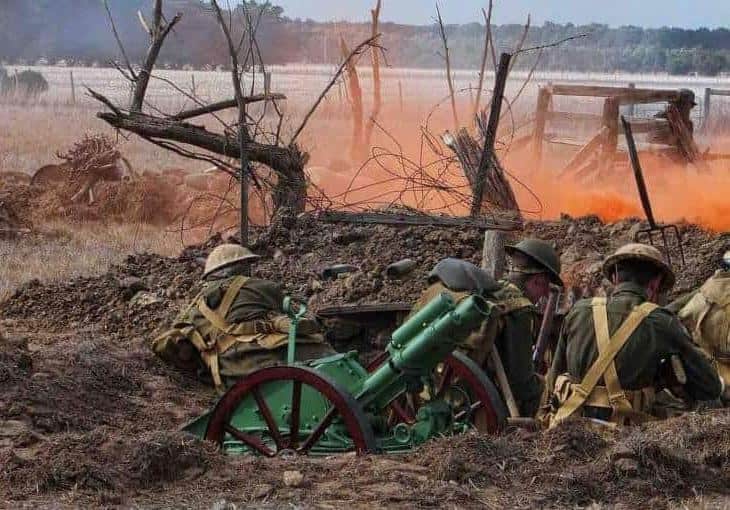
[[475, 396], [463, 383], [290, 409]]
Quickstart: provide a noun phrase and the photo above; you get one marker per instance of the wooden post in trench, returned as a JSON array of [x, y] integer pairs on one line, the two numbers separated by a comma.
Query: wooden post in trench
[[493, 255]]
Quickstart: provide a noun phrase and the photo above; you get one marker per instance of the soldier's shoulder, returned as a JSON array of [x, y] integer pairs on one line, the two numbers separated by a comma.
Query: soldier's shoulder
[[261, 283], [582, 304], [509, 298], [666, 321]]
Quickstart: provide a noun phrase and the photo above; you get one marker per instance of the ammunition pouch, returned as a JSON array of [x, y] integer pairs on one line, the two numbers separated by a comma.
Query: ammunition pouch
[[599, 403]]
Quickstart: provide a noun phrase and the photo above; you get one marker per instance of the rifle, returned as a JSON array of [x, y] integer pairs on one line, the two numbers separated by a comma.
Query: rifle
[[543, 338]]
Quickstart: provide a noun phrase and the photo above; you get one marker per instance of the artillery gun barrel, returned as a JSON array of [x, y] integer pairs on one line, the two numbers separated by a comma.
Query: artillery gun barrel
[[429, 346], [422, 318]]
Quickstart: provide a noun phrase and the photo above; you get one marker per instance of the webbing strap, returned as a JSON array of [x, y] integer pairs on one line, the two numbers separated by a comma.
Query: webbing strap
[[217, 317], [209, 352], [208, 355], [580, 392], [617, 398]]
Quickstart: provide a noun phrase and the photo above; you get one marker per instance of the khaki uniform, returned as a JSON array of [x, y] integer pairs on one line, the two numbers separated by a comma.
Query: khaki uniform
[[706, 314], [636, 341], [236, 325], [512, 331]]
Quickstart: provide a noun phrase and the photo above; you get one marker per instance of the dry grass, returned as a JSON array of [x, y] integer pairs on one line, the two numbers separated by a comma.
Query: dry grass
[[64, 252], [30, 136]]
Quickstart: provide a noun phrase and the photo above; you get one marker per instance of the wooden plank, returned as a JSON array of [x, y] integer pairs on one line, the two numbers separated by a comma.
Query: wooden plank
[[375, 218], [720, 92], [628, 95], [572, 116], [585, 152], [557, 140], [639, 125], [359, 309]]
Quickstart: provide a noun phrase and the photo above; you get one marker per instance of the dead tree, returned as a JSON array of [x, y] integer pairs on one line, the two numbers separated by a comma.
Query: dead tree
[[447, 61], [355, 95], [246, 140], [377, 93], [362, 132]]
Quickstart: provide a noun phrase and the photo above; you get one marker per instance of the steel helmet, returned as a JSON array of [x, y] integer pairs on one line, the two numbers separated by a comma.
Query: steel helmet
[[642, 252], [541, 252], [226, 255]]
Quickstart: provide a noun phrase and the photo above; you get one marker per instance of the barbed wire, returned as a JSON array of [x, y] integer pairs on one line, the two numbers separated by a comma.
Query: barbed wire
[[430, 182]]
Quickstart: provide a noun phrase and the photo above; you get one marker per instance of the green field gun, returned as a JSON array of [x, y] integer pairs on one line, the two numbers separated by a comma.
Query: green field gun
[[418, 389]]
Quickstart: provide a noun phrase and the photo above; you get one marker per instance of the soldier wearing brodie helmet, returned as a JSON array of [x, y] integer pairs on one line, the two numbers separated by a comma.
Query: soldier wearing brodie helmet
[[514, 326], [615, 353], [236, 324]]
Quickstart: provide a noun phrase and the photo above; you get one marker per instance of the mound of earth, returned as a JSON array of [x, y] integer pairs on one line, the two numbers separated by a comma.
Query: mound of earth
[[89, 417], [11, 212], [143, 294]]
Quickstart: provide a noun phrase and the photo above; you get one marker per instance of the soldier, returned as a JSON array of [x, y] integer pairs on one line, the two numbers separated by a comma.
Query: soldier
[[706, 314], [615, 353], [236, 324], [534, 266]]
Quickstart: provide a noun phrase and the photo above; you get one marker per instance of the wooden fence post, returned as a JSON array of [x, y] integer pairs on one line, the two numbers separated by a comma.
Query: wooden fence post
[[706, 108], [543, 101], [400, 94], [632, 106], [610, 121], [73, 88], [267, 82]]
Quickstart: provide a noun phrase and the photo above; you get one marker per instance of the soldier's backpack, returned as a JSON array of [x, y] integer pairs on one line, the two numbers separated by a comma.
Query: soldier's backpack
[[707, 316], [201, 337]]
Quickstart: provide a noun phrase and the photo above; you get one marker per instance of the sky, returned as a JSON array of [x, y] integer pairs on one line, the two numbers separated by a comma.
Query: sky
[[646, 13]]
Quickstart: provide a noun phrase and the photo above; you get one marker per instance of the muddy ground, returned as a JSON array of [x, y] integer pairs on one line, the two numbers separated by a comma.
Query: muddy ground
[[89, 417]]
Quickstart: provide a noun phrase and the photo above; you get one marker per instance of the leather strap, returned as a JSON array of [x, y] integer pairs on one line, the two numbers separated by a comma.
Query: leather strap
[[581, 392], [617, 398], [217, 317]]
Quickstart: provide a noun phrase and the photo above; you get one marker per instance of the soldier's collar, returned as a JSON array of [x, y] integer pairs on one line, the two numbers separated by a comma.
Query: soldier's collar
[[630, 288]]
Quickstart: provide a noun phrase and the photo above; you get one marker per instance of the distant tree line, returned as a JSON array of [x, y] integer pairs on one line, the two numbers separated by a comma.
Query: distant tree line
[[79, 30]]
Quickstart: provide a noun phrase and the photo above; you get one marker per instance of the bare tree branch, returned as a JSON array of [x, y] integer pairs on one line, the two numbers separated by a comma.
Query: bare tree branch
[[160, 32], [487, 42], [556, 43], [243, 135], [224, 105], [448, 68], [521, 43], [356, 52], [144, 24], [119, 41]]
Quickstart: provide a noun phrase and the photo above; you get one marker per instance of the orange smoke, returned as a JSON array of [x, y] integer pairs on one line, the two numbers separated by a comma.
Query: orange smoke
[[677, 193]]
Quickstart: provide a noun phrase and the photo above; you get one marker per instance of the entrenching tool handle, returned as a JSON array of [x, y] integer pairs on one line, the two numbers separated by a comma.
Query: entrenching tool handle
[[294, 316], [638, 174]]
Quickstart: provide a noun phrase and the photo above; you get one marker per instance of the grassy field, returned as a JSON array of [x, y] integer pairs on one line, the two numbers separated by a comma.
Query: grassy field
[[61, 251]]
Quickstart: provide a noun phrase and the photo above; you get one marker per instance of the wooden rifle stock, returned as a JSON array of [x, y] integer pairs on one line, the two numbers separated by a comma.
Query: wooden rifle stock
[[543, 338]]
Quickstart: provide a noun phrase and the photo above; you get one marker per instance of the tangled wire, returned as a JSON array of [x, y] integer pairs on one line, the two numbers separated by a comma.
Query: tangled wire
[[432, 182]]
